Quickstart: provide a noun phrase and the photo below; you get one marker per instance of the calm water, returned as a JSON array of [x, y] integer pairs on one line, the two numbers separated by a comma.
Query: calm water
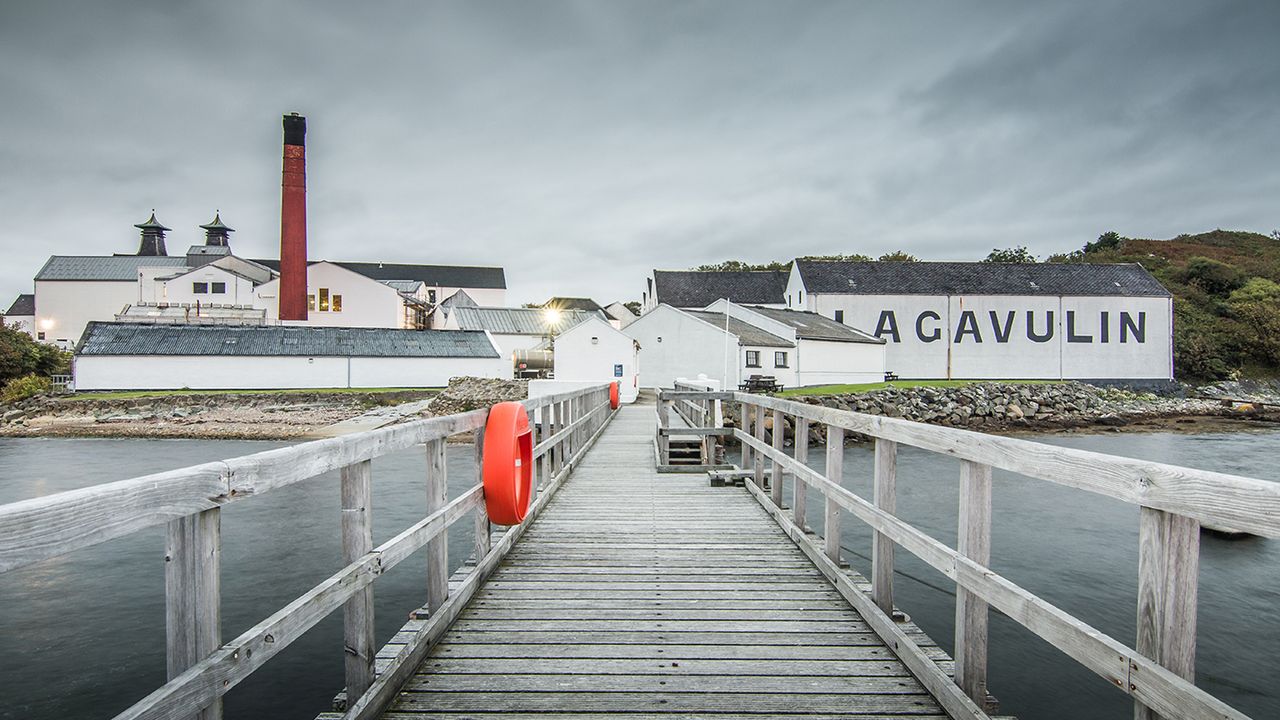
[[83, 635]]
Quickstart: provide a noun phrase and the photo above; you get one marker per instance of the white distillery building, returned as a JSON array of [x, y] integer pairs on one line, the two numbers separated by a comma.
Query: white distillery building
[[696, 289], [730, 343], [22, 314], [516, 328], [594, 351], [130, 356], [999, 321]]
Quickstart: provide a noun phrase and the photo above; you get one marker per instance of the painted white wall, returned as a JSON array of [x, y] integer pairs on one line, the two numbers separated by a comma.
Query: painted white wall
[[508, 344], [164, 372], [823, 362], [768, 365], [956, 352], [751, 317], [65, 307], [24, 323], [589, 351], [179, 290], [365, 302], [675, 344]]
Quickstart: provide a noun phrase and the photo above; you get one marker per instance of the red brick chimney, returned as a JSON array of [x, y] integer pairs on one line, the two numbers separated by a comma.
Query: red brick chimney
[[293, 221]]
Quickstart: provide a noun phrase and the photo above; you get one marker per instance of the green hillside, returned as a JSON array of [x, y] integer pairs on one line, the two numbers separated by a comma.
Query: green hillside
[[1226, 288]]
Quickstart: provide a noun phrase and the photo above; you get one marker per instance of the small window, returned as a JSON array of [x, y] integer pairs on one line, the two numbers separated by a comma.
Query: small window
[[753, 358], [311, 303], [431, 296], [324, 299], [39, 336], [780, 359], [336, 303], [800, 297], [219, 288], [200, 288], [839, 315]]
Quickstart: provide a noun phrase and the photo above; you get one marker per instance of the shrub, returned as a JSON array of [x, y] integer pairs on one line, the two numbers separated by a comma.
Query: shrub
[[24, 387], [1213, 276]]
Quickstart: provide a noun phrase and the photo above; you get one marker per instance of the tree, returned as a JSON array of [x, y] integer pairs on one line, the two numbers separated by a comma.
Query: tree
[[1011, 255], [1213, 276], [1109, 240], [899, 256], [20, 355], [856, 257], [740, 266]]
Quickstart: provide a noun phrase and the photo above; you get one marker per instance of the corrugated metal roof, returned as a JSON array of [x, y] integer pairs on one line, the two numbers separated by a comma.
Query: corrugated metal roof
[[460, 276], [812, 326], [23, 306], [957, 278], [747, 333], [131, 339], [404, 286], [97, 267], [517, 321], [698, 289], [572, 303]]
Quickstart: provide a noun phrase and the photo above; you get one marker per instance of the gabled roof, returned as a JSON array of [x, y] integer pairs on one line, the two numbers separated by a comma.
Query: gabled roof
[[959, 278], [459, 276], [404, 286], [275, 340], [572, 303], [218, 250], [619, 311], [747, 333], [812, 326], [25, 305], [698, 289], [459, 299], [516, 321], [98, 267]]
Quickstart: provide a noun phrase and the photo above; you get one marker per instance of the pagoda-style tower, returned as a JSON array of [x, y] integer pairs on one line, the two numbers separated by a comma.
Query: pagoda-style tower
[[215, 233], [152, 236]]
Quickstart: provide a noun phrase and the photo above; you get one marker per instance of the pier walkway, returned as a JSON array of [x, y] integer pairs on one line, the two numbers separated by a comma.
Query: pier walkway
[[636, 592]]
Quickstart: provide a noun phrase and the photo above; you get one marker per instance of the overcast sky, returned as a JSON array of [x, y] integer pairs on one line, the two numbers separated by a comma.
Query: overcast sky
[[580, 145]]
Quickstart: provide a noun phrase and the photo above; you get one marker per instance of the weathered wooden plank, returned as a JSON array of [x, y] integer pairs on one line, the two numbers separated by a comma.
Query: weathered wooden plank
[[796, 685], [1168, 570], [647, 715], [193, 596], [692, 667], [862, 647], [491, 611], [798, 485], [357, 613], [438, 546], [538, 702], [974, 543], [775, 477], [835, 469]]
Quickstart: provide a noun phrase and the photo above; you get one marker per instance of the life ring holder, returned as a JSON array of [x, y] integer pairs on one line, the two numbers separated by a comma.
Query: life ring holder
[[507, 465], [614, 399]]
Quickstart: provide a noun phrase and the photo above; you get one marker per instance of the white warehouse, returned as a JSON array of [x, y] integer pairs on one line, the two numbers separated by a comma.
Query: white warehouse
[[999, 321], [131, 356]]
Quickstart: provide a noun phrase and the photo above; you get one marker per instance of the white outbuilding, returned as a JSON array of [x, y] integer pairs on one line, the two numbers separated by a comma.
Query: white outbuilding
[[129, 356], [593, 351]]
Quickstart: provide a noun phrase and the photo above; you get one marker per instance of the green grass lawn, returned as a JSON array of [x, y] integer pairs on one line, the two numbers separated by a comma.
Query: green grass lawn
[[868, 387], [130, 394]]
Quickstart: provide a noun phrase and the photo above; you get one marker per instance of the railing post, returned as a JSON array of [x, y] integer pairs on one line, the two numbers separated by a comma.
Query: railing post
[[798, 485], [483, 527], [664, 422], [757, 459], [193, 594], [535, 477], [779, 437], [1168, 570], [885, 497], [437, 547], [357, 613], [835, 473], [557, 424], [745, 414], [973, 542]]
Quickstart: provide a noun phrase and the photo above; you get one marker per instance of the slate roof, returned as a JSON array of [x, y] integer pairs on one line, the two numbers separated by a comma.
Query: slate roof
[[698, 289], [812, 326], [959, 278], [23, 306], [98, 267], [218, 250], [404, 286], [102, 338], [459, 276], [516, 321], [747, 333]]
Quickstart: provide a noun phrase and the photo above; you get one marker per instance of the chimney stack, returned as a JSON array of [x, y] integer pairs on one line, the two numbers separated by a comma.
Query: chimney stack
[[293, 221], [215, 233], [152, 236]]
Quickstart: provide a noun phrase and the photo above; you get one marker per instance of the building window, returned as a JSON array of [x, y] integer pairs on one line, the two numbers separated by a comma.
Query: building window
[[39, 336], [431, 296], [336, 303], [753, 358], [324, 299], [779, 359], [799, 297], [311, 302], [218, 288], [839, 315], [200, 288]]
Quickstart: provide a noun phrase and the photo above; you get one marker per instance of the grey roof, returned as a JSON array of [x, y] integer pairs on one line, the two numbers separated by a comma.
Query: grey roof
[[747, 333], [208, 249], [404, 286], [459, 276], [517, 321], [459, 298], [698, 289], [958, 278], [23, 306], [572, 303], [812, 326], [102, 338], [97, 267]]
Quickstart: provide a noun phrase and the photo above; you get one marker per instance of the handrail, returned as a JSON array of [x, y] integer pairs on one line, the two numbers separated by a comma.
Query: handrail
[[201, 667], [1158, 675]]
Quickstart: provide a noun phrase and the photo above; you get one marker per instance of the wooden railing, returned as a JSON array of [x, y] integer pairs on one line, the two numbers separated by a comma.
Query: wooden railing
[[1174, 501], [201, 668]]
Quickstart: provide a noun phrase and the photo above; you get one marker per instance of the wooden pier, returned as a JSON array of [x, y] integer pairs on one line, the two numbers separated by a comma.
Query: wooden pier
[[638, 587]]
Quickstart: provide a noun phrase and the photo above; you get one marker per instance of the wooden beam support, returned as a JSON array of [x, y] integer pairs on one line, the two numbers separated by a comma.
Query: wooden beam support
[[885, 497], [483, 528], [757, 459], [1168, 573], [438, 547], [835, 471], [357, 613], [664, 422], [193, 595], [779, 437], [798, 485], [973, 542]]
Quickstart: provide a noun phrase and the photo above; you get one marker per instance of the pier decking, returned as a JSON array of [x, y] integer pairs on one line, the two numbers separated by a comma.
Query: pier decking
[[652, 594]]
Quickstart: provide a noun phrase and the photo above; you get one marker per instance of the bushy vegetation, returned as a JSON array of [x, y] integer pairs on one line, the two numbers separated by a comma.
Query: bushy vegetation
[[21, 355], [24, 387]]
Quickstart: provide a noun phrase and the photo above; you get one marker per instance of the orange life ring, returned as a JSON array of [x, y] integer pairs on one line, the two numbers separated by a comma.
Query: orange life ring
[[614, 401], [507, 467]]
